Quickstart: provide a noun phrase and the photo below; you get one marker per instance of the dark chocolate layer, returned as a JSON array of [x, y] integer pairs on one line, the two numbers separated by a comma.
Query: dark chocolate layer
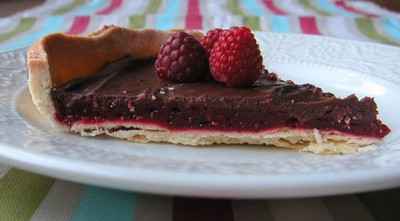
[[130, 90]]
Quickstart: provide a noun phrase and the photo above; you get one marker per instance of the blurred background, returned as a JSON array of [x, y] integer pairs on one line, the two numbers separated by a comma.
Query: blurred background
[[22, 22]]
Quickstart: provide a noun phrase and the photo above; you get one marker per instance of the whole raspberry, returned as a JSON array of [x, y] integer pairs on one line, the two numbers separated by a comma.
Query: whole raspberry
[[210, 38], [235, 58], [181, 59]]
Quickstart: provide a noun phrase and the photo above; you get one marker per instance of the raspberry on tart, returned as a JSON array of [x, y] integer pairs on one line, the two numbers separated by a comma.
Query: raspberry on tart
[[209, 40], [181, 59], [108, 83], [235, 58]]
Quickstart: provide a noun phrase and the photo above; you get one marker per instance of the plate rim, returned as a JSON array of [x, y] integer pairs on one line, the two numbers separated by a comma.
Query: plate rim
[[153, 182], [147, 181]]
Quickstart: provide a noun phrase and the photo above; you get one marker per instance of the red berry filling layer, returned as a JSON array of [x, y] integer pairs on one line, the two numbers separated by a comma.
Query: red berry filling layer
[[130, 90]]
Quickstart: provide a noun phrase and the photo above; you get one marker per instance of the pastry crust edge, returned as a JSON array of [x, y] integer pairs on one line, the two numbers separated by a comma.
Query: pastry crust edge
[[39, 83], [306, 140]]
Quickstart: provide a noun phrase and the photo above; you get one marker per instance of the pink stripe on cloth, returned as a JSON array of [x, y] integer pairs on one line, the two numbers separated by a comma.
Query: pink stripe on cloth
[[345, 6], [193, 16], [308, 25], [270, 4], [114, 4], [79, 25]]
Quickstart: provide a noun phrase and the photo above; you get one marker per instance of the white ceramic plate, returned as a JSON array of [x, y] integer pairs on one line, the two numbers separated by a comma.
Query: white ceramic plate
[[339, 66]]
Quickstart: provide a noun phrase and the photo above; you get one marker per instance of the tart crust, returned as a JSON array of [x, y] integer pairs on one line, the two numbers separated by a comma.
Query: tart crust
[[58, 59], [307, 140]]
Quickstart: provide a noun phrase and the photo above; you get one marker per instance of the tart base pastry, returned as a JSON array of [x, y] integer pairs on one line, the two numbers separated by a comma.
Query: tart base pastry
[[306, 140]]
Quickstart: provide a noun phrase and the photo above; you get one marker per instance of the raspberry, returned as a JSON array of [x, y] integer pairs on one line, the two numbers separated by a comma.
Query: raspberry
[[272, 76], [210, 38], [181, 59], [235, 58]]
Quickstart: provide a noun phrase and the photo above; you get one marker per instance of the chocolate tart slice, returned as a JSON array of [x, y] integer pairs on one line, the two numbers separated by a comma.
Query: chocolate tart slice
[[105, 84]]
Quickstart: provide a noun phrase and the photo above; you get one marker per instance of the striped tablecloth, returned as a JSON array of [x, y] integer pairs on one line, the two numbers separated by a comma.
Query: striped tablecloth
[[27, 196]]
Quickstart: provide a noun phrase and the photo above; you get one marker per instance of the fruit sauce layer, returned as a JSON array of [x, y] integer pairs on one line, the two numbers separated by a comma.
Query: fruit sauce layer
[[129, 90]]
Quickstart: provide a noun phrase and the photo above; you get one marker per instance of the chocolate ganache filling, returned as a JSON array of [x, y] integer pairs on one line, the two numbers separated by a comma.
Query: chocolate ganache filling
[[129, 90]]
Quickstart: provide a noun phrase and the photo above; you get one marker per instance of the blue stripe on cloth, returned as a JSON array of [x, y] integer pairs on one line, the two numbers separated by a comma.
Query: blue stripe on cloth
[[91, 7], [253, 7], [167, 18], [391, 26], [49, 25], [330, 7], [102, 204], [280, 23]]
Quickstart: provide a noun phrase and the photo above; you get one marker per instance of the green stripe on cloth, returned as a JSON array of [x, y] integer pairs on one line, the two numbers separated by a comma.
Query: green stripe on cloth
[[153, 6], [308, 5], [24, 25], [366, 27], [21, 193], [233, 6], [251, 21], [139, 20], [68, 7]]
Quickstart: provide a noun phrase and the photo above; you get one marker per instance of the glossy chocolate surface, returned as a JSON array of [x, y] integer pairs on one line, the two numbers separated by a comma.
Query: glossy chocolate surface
[[129, 90]]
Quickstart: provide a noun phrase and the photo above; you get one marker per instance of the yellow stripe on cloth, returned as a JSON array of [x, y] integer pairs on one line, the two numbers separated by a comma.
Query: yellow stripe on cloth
[[21, 193]]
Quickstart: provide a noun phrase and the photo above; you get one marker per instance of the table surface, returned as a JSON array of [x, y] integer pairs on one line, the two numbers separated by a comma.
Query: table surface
[[27, 196]]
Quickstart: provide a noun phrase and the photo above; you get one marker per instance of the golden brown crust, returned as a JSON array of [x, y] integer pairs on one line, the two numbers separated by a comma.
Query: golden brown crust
[[39, 81]]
